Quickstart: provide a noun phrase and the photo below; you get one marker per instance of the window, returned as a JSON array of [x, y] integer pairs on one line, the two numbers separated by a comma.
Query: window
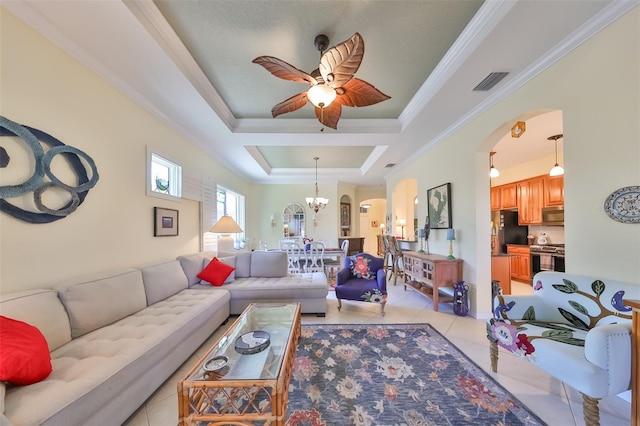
[[164, 177], [232, 204]]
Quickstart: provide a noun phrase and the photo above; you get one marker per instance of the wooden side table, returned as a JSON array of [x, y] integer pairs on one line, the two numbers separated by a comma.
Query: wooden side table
[[635, 361]]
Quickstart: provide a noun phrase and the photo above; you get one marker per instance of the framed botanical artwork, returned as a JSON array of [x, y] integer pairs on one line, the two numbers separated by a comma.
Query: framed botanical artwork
[[439, 206], [345, 215], [166, 222]]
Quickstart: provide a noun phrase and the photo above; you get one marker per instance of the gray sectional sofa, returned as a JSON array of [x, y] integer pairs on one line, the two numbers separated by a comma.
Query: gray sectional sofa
[[115, 337]]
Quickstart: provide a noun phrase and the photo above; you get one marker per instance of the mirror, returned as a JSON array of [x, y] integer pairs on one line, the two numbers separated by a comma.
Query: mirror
[[293, 220]]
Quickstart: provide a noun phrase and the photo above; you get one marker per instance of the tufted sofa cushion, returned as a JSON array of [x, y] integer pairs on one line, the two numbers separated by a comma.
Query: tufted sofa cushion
[[98, 300], [269, 264], [192, 265], [163, 280], [42, 309]]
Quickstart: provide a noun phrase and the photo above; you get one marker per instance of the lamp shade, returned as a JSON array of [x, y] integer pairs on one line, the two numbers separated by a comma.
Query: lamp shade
[[321, 95], [451, 234], [226, 225], [556, 170]]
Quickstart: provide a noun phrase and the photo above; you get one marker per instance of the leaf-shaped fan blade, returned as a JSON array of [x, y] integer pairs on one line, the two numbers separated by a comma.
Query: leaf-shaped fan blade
[[340, 63], [284, 70], [359, 93], [293, 103], [330, 115]]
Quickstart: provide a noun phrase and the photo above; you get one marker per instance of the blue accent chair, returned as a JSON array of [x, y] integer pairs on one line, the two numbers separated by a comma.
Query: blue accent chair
[[363, 278]]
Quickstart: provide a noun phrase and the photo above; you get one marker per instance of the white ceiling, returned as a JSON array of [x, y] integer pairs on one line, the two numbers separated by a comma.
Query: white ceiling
[[189, 63]]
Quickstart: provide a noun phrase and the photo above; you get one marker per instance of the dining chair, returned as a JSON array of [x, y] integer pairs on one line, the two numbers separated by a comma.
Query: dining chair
[[315, 257], [332, 265], [387, 257], [296, 258], [397, 259]]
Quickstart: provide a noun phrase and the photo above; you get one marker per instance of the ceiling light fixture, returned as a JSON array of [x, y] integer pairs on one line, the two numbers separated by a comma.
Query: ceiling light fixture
[[518, 129], [331, 85], [493, 172], [316, 203], [557, 169]]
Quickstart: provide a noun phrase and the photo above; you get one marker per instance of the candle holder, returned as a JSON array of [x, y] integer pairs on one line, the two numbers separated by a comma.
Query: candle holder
[[421, 236]]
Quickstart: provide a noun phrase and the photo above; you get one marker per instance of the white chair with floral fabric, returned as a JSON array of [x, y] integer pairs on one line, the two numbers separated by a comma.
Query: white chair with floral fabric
[[575, 328]]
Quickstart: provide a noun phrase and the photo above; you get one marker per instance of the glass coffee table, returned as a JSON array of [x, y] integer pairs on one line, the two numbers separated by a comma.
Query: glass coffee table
[[244, 377]]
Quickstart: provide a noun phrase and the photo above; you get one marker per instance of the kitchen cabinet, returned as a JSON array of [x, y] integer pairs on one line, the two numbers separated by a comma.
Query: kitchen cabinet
[[495, 198], [501, 271], [508, 196], [530, 199], [520, 262], [504, 197], [553, 191], [431, 275]]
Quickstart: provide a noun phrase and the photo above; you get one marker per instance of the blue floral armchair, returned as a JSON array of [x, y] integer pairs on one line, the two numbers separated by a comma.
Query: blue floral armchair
[[362, 278], [575, 328]]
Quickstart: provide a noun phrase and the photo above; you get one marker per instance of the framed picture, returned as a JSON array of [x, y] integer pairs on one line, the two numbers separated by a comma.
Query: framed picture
[[439, 206], [166, 222], [345, 215], [374, 224]]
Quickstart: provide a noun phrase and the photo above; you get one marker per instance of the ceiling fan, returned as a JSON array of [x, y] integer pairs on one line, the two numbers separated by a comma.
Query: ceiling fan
[[332, 84]]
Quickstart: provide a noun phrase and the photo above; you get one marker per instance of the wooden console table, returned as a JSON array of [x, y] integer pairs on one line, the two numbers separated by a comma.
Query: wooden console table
[[428, 274], [635, 361]]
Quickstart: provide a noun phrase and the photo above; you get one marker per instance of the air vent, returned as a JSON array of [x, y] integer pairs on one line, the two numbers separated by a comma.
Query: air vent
[[490, 81], [389, 165]]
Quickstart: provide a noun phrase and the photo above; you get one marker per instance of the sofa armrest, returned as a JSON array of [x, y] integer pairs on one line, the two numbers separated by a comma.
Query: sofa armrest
[[523, 306], [343, 276], [609, 347]]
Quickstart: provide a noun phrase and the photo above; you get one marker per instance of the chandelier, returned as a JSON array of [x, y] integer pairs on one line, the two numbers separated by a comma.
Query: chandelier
[[316, 203]]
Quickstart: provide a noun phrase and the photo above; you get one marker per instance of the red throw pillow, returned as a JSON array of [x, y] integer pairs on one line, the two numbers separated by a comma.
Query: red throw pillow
[[24, 353], [216, 272]]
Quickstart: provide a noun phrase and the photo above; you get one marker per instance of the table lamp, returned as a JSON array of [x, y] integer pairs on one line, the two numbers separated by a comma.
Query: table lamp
[[225, 226], [451, 236]]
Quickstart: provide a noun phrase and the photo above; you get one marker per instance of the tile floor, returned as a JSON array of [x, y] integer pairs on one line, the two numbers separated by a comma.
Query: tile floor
[[551, 400]]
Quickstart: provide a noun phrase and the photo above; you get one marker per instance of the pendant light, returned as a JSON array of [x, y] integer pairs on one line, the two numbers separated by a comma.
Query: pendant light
[[316, 203], [493, 172], [557, 169]]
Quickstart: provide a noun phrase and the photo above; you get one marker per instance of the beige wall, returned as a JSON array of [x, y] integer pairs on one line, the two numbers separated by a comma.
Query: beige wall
[[43, 87], [597, 87], [272, 199]]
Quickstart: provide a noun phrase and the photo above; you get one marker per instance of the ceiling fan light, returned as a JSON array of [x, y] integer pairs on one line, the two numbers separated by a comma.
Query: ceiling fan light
[[556, 170], [321, 95]]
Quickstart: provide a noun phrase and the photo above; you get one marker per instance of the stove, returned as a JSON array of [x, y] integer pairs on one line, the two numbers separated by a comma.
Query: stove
[[547, 257], [557, 249]]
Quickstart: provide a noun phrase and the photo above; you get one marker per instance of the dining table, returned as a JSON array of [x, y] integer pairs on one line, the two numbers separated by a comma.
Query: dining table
[[330, 253]]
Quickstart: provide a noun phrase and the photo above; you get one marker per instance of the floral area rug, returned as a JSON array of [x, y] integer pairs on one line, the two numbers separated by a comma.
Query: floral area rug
[[400, 374]]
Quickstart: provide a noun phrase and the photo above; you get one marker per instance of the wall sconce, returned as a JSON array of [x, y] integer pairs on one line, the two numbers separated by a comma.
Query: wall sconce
[[273, 222]]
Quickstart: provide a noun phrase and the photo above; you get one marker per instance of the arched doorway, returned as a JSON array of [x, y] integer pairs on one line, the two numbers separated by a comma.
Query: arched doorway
[[524, 156]]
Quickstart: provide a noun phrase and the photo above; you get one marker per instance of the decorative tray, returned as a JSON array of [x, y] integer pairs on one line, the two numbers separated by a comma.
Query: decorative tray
[[253, 342], [623, 205], [216, 363]]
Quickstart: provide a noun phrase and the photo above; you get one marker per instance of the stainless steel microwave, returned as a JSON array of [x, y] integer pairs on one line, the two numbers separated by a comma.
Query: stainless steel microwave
[[553, 216]]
